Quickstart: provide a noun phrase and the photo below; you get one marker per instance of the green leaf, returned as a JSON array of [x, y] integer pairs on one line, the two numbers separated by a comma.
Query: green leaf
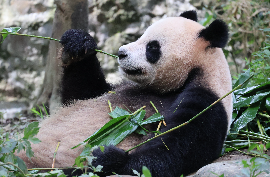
[[146, 172], [248, 115], [122, 125], [266, 29], [98, 168], [79, 161], [243, 77], [253, 90], [267, 103], [252, 146], [102, 148], [116, 129], [31, 130], [35, 112], [267, 145], [9, 30], [12, 29], [34, 140], [117, 135], [243, 102], [22, 165], [3, 171], [90, 159], [154, 118], [267, 52], [8, 147], [10, 158], [137, 118], [244, 162], [20, 147], [106, 129], [29, 153], [118, 112], [86, 150], [264, 165], [140, 131]]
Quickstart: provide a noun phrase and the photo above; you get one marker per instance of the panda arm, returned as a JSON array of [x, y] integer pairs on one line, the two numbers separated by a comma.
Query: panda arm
[[82, 75], [179, 152]]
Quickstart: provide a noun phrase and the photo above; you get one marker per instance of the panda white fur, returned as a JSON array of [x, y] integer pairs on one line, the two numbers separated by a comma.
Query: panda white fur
[[178, 65]]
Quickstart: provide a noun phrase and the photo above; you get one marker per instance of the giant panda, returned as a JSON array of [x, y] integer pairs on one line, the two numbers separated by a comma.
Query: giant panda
[[178, 65]]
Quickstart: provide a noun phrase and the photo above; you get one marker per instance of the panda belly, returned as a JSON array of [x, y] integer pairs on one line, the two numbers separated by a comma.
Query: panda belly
[[70, 126]]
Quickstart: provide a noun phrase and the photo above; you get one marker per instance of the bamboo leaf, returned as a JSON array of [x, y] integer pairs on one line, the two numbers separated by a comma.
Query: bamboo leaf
[[252, 146], [242, 102], [267, 103], [107, 128], [9, 30], [146, 171], [248, 115], [137, 119], [154, 118], [113, 132], [117, 112], [12, 29], [253, 89], [266, 29], [140, 131], [118, 134], [242, 79], [267, 145]]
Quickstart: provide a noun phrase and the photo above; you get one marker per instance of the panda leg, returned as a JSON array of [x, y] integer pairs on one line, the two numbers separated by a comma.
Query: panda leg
[[82, 75]]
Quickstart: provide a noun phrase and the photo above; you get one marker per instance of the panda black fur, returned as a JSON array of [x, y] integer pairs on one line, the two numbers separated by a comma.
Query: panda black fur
[[175, 64]]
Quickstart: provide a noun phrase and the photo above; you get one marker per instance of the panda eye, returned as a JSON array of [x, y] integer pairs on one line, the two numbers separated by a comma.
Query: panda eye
[[153, 52], [153, 45]]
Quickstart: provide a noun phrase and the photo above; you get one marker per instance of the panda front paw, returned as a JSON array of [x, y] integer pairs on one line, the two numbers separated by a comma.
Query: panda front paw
[[76, 45], [112, 159]]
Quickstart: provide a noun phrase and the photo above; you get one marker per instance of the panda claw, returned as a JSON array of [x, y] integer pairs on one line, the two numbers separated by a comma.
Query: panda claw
[[77, 44], [112, 158]]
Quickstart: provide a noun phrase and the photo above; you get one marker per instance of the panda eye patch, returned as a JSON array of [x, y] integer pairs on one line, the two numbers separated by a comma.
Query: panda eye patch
[[153, 51]]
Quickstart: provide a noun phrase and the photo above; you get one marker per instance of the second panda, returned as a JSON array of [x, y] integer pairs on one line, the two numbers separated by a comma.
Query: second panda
[[178, 65]]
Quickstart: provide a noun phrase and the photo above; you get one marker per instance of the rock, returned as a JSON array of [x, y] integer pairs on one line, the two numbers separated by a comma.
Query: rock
[[230, 164], [228, 168], [11, 109], [23, 59]]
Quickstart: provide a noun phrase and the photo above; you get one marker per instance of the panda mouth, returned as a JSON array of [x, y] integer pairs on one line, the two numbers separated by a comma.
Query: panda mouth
[[133, 71]]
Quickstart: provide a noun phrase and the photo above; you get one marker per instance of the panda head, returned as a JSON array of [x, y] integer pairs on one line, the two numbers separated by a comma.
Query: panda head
[[169, 49]]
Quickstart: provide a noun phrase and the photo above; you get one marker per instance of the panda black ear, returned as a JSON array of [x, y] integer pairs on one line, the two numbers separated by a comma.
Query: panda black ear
[[191, 14], [216, 33]]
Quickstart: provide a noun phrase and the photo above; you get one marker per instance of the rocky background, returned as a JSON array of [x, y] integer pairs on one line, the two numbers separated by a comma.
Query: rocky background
[[22, 59]]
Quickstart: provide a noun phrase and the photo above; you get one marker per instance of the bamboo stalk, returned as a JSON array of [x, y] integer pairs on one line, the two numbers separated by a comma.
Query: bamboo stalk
[[53, 39], [29, 35]]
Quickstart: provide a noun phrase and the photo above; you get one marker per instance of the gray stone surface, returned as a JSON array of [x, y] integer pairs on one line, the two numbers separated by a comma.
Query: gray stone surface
[[23, 59], [228, 168]]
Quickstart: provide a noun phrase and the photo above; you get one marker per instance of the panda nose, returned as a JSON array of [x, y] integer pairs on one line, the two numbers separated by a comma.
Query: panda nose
[[122, 54]]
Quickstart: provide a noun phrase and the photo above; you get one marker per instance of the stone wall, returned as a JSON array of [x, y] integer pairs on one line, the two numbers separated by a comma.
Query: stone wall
[[23, 59], [111, 22]]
